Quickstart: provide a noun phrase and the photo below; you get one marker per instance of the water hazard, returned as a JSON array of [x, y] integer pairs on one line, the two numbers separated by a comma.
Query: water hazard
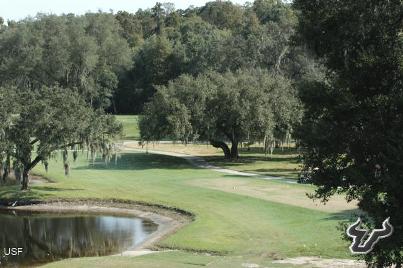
[[28, 238]]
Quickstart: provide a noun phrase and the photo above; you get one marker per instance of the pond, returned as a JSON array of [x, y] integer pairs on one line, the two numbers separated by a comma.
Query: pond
[[28, 238]]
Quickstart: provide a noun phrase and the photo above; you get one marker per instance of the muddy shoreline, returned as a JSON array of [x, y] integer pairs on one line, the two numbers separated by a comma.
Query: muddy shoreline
[[169, 220]]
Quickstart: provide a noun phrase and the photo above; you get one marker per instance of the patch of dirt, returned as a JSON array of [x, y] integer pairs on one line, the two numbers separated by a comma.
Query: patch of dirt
[[316, 262]]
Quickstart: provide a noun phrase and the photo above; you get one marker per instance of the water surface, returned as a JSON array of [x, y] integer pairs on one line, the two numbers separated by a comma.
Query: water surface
[[47, 237]]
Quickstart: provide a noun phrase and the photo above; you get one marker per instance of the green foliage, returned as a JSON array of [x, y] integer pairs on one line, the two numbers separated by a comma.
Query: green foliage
[[84, 52], [248, 105], [352, 130], [219, 36], [223, 14]]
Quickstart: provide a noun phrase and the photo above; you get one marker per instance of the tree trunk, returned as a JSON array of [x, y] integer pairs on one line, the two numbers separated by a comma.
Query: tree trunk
[[234, 150], [6, 168], [223, 146], [25, 179]]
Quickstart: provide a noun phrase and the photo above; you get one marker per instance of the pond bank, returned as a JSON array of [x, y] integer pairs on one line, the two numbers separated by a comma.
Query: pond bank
[[169, 220]]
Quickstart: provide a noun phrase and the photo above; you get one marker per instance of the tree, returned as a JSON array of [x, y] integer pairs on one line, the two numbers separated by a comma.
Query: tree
[[49, 119], [200, 47], [219, 108], [223, 14], [352, 130], [85, 52], [8, 109], [131, 28]]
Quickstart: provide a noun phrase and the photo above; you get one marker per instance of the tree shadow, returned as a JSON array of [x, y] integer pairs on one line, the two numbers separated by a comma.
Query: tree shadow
[[250, 159], [268, 170], [276, 151], [349, 214], [138, 161], [55, 189], [10, 194]]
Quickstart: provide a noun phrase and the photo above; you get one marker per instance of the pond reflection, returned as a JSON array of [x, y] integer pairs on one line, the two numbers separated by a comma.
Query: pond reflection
[[50, 237]]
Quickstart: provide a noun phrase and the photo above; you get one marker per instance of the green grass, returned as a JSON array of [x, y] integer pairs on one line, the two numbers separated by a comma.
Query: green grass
[[236, 228], [130, 126], [282, 163], [177, 259]]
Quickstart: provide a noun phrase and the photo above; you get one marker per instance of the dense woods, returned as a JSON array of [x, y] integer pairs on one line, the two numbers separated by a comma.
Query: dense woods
[[219, 36]]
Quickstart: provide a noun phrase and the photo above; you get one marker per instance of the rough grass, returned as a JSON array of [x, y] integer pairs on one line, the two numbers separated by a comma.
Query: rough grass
[[227, 224]]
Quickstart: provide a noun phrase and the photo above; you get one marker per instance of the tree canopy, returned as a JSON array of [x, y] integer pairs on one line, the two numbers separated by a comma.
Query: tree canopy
[[219, 36], [352, 129], [84, 52], [246, 106]]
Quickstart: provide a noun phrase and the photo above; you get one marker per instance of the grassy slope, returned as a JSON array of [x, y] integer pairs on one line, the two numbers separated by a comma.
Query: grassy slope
[[226, 223]]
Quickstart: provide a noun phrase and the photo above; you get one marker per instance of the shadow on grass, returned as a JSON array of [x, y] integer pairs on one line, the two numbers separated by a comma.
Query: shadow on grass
[[268, 170], [276, 178], [350, 215], [14, 193], [138, 161], [55, 189], [251, 159], [259, 150]]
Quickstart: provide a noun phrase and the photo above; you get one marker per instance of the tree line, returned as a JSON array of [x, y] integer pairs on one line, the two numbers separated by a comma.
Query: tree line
[[119, 62]]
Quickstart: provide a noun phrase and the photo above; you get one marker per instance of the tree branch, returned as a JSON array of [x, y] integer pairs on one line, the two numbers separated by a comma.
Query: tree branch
[[34, 141], [34, 163]]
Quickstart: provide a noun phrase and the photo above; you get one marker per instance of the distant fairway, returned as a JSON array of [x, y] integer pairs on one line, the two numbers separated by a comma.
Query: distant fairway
[[130, 126]]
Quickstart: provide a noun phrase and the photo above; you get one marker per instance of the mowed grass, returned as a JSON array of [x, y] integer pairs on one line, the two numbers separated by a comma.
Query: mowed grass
[[130, 126], [233, 228], [282, 163]]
